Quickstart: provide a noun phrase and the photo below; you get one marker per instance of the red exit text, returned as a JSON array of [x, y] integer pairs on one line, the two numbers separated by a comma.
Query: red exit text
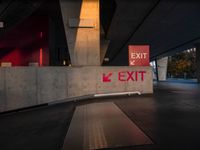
[[123, 76]]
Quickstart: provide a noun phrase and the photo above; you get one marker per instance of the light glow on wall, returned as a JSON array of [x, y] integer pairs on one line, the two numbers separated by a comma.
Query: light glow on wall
[[85, 36], [41, 56], [41, 34]]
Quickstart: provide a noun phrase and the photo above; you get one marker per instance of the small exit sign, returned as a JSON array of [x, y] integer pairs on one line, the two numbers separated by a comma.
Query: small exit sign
[[139, 55]]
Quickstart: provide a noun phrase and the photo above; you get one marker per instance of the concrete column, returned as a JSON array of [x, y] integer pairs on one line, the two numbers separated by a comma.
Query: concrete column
[[198, 61], [103, 45], [162, 68], [82, 29]]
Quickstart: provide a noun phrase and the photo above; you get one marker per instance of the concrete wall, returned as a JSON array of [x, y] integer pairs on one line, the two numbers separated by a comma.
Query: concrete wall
[[2, 89], [28, 86], [20, 87]]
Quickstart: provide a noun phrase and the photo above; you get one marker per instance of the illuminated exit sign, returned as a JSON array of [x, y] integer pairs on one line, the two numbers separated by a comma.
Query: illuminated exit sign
[[138, 55]]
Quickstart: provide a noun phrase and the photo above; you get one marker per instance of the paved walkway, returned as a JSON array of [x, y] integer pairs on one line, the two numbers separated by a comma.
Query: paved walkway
[[102, 125]]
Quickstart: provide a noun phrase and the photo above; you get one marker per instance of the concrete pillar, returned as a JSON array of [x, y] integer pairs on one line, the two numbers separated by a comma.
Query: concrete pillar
[[82, 29], [103, 45], [198, 61], [162, 68]]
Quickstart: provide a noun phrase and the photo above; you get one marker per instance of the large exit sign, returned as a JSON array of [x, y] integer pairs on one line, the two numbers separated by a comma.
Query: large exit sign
[[139, 55], [124, 76]]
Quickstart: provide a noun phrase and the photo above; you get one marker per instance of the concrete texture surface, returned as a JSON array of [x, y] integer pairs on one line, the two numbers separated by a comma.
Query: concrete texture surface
[[145, 86], [89, 78], [84, 42], [51, 84], [2, 90], [74, 84], [162, 68], [30, 86], [21, 90], [114, 85]]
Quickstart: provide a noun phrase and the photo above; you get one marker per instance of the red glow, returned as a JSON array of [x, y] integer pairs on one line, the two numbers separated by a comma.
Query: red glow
[[22, 44], [41, 56], [41, 34]]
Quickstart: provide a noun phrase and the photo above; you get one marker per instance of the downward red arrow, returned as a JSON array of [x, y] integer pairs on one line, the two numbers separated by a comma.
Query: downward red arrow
[[106, 78]]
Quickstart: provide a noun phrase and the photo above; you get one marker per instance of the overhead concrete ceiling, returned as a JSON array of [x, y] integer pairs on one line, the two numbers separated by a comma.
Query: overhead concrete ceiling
[[13, 12], [166, 25]]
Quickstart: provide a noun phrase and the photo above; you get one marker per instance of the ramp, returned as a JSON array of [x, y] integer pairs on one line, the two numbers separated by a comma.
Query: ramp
[[102, 125]]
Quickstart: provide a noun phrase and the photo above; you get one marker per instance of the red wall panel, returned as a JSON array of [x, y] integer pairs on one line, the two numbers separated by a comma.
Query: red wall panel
[[22, 44]]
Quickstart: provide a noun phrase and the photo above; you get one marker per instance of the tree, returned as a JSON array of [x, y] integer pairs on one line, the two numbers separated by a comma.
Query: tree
[[182, 64]]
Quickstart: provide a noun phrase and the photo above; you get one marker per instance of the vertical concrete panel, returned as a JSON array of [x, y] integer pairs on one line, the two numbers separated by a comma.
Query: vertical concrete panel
[[121, 84], [2, 90], [82, 81], [20, 87], [75, 82], [162, 68], [88, 77], [144, 85], [198, 61], [52, 84], [114, 85]]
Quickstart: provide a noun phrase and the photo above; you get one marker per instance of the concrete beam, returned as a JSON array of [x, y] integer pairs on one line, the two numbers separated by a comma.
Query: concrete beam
[[103, 45]]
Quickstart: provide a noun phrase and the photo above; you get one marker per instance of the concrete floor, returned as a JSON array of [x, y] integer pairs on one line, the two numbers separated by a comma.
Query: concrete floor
[[170, 117], [37, 129], [102, 125]]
